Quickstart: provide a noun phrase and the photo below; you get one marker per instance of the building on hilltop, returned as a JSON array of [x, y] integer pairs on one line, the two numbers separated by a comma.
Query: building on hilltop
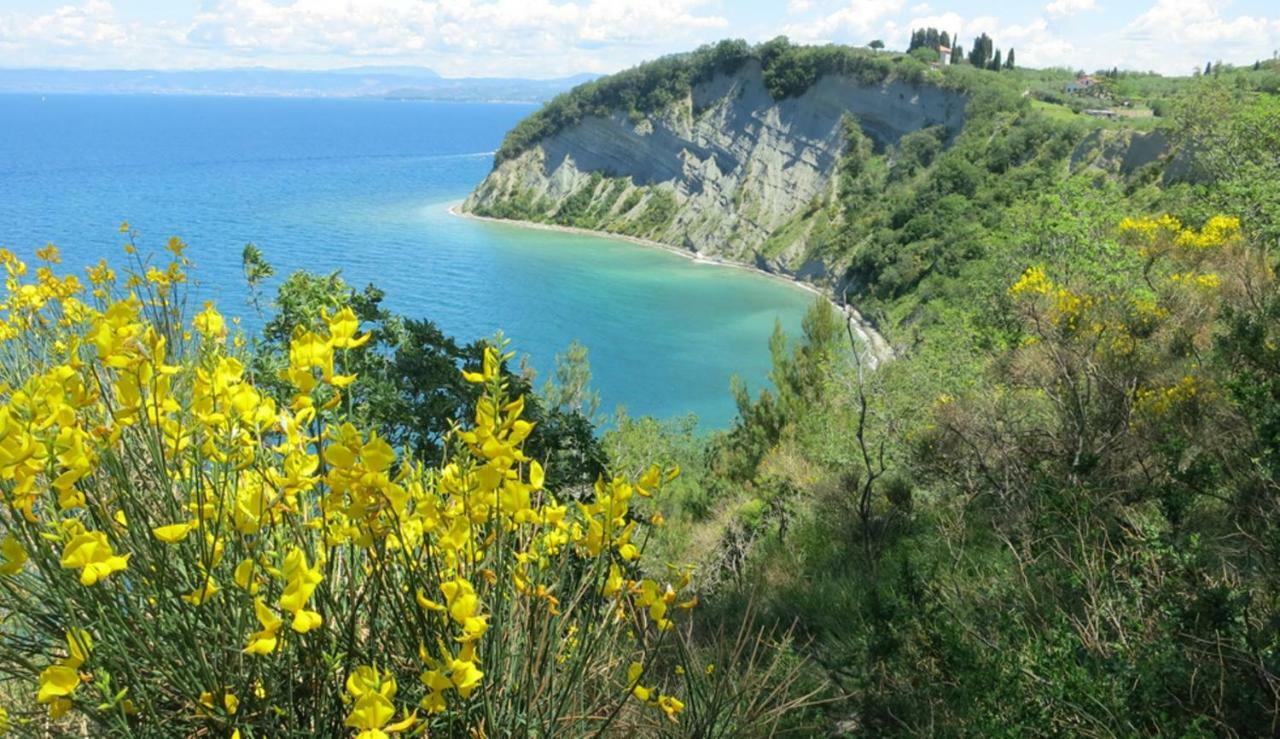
[[1082, 83]]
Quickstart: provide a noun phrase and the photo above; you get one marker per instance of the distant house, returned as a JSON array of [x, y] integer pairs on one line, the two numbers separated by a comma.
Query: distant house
[[944, 54], [1101, 113], [1082, 83]]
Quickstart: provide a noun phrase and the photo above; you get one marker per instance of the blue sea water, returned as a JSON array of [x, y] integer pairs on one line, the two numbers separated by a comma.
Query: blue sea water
[[363, 186]]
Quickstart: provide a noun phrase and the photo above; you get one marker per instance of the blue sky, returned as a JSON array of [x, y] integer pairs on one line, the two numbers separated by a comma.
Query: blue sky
[[548, 38]]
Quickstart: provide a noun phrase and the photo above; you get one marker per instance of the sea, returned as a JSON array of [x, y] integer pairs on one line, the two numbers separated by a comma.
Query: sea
[[364, 187]]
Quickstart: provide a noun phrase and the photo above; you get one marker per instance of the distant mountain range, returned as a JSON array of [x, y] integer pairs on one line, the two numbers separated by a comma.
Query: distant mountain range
[[409, 83]]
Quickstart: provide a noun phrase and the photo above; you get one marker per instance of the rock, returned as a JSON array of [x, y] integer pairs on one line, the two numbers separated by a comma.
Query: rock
[[741, 166]]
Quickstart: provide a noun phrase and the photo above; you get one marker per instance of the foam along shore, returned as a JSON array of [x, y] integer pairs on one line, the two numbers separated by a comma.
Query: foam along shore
[[878, 349]]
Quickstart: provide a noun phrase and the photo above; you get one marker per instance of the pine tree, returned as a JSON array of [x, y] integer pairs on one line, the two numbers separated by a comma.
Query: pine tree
[[1008, 62]]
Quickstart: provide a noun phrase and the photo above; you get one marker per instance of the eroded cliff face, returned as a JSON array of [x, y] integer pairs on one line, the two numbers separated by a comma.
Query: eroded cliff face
[[730, 173]]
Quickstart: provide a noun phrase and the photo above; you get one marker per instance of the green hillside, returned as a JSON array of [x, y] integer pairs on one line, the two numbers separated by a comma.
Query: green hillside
[[1057, 511]]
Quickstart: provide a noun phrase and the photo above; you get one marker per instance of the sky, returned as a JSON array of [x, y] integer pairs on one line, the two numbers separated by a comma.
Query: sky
[[552, 38]]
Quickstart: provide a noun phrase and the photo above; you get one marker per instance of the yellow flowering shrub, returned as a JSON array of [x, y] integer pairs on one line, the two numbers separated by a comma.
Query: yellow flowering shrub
[[183, 553], [1063, 305], [1141, 341], [1157, 235]]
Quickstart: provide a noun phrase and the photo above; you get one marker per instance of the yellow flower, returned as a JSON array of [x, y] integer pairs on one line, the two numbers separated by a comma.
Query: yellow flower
[[14, 555], [670, 705], [465, 676], [210, 323], [464, 607], [489, 368], [613, 584], [91, 553], [373, 709], [59, 680], [207, 589], [49, 254], [174, 532], [245, 578], [56, 681], [301, 582], [634, 672], [343, 326], [264, 642]]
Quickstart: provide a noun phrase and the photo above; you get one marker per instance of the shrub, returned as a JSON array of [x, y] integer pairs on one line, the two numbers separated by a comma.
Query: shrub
[[184, 555]]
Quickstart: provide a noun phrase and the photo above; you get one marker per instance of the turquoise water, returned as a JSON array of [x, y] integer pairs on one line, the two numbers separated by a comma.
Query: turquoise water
[[364, 187]]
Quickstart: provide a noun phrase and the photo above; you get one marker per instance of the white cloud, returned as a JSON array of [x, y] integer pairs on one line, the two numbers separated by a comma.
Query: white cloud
[[849, 24], [548, 38], [397, 27], [1063, 8], [1173, 36], [458, 37], [93, 23]]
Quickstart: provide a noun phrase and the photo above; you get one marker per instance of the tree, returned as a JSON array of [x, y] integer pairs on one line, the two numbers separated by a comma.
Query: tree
[[957, 54], [570, 391], [995, 62], [877, 44], [980, 54], [1008, 63], [1208, 68]]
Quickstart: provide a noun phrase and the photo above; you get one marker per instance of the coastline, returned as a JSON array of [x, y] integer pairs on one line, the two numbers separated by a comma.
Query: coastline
[[879, 349]]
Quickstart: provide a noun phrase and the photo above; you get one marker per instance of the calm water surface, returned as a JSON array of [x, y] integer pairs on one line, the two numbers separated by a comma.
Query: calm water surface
[[364, 187]]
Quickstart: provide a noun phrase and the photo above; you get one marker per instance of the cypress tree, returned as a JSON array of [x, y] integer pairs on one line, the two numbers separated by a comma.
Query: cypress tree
[[980, 54], [995, 62], [1008, 62], [957, 54], [1208, 68]]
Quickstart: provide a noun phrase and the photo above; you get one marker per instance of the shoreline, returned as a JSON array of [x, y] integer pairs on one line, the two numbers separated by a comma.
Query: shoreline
[[879, 349]]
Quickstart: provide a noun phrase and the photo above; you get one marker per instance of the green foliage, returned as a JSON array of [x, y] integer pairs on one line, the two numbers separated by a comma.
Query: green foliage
[[410, 387], [659, 211], [1235, 138]]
